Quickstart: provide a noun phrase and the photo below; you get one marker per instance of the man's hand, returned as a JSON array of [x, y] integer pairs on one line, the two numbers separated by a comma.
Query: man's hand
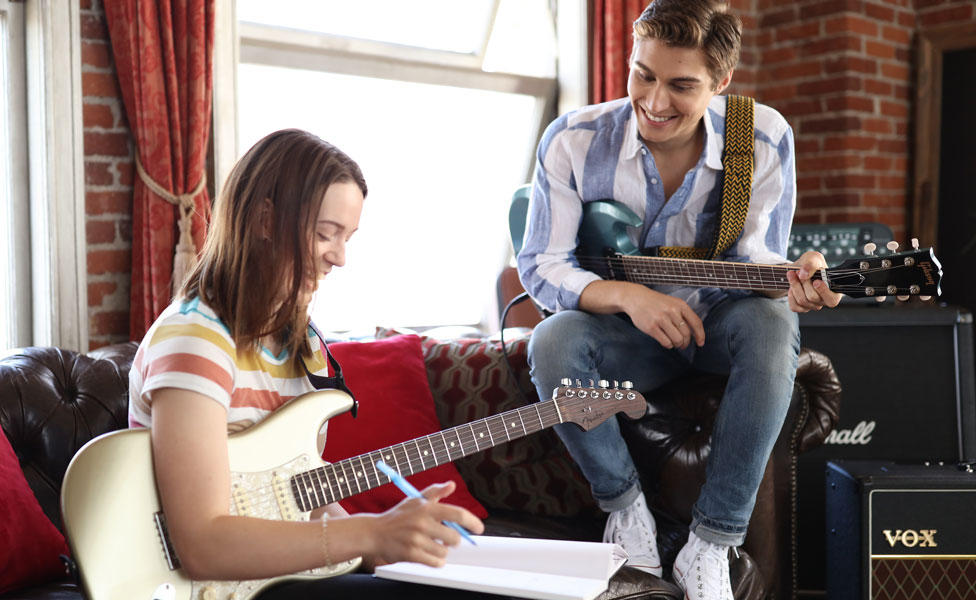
[[808, 294], [667, 319]]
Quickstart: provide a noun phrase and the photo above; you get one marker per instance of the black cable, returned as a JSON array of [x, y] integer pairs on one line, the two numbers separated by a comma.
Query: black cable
[[501, 337]]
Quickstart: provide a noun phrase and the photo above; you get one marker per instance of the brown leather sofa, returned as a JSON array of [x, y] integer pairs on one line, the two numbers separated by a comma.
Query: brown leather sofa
[[52, 401]]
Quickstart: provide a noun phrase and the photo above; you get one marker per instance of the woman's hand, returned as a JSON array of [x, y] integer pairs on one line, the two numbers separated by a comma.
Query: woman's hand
[[413, 529]]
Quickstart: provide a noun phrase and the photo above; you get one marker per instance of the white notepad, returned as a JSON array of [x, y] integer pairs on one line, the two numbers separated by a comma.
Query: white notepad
[[526, 567]]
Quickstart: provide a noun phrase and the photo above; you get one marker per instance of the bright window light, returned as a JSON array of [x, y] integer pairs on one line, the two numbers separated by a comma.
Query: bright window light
[[442, 152], [441, 164]]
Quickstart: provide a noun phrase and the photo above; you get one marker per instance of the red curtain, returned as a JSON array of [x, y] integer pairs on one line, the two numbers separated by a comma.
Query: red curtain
[[163, 52], [610, 48]]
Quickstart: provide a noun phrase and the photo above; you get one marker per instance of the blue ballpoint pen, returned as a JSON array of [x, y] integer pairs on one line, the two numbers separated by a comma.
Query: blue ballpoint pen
[[412, 492]]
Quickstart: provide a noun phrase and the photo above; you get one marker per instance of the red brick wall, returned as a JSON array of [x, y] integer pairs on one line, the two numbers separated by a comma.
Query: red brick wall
[[108, 183], [841, 71]]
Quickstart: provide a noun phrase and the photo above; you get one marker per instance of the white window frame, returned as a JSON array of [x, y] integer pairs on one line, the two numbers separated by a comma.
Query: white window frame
[[17, 268], [59, 270]]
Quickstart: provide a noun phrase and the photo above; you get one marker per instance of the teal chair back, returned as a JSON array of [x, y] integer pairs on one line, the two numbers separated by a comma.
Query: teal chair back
[[517, 213]]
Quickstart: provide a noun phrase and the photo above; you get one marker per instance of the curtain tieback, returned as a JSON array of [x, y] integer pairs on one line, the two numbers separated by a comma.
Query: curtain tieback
[[185, 253]]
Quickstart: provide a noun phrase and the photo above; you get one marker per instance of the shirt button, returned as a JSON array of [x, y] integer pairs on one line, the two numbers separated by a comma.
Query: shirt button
[[654, 180], [644, 151]]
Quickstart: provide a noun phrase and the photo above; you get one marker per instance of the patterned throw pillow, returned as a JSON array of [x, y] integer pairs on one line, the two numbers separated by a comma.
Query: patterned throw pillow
[[470, 381]]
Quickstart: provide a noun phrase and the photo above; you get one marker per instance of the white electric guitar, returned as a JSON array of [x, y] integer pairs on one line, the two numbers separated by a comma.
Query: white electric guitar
[[117, 531]]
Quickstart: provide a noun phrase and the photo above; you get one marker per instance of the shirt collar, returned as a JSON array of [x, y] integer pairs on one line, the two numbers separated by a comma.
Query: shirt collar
[[632, 141], [713, 142]]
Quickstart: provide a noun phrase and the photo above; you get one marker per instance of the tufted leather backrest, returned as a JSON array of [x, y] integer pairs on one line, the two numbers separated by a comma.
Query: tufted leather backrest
[[53, 401]]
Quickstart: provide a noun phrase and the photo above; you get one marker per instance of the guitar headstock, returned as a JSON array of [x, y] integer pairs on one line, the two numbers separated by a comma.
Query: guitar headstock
[[916, 272], [591, 406]]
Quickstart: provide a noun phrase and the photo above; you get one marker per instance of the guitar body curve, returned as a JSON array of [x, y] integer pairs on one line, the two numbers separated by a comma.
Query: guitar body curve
[[112, 513], [604, 225]]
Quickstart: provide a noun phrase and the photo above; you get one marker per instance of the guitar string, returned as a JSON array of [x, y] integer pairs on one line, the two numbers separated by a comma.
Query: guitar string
[[265, 495], [262, 494], [738, 281]]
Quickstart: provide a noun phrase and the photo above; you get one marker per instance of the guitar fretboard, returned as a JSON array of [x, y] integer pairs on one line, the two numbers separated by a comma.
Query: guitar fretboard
[[338, 480], [654, 270]]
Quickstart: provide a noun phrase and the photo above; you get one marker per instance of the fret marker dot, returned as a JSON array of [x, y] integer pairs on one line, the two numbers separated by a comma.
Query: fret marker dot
[[452, 444], [481, 435], [513, 424], [426, 453], [387, 457], [342, 480], [359, 473]]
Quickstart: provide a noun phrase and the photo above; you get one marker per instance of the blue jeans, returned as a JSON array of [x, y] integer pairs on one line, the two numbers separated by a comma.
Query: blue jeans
[[755, 340]]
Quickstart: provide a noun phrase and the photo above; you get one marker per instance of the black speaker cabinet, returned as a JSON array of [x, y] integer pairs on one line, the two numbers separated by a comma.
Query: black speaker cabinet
[[908, 395], [900, 531]]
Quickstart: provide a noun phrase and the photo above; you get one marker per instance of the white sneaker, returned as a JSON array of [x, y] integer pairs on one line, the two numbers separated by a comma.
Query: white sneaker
[[634, 529], [702, 570]]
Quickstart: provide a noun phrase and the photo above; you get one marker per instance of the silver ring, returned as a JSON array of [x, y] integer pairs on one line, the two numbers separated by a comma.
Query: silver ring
[[681, 324]]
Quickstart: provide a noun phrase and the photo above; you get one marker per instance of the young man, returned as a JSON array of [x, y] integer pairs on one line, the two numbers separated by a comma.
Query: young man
[[659, 153]]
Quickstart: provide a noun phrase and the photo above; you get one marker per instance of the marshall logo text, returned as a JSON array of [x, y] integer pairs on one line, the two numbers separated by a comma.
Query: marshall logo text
[[859, 436], [923, 538]]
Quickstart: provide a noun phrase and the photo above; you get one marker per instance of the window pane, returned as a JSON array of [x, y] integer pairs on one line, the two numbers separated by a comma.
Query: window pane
[[6, 193], [441, 164], [437, 24]]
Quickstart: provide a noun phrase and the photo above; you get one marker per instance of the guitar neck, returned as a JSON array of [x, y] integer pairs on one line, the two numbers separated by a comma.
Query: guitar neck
[[338, 480], [652, 270]]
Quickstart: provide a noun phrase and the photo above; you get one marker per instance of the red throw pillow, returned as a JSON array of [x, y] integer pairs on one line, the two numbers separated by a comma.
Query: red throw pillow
[[31, 543], [389, 380]]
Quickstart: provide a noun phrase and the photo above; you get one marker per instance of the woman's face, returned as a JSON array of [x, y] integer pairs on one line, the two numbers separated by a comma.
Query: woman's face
[[337, 220]]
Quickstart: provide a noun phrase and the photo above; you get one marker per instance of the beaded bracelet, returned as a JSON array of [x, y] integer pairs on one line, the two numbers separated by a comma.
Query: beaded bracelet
[[325, 541]]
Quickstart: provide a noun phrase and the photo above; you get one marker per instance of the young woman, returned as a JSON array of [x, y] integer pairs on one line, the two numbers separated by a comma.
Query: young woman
[[233, 347]]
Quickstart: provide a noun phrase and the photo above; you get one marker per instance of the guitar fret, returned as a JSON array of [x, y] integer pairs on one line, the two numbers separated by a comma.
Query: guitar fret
[[319, 486], [447, 448], [542, 424], [310, 488], [361, 475], [457, 432], [433, 451], [345, 477], [419, 455], [474, 437], [519, 413], [329, 473], [297, 492]]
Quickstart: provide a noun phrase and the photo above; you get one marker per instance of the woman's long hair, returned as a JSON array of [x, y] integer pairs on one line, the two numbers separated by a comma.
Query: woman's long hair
[[255, 261]]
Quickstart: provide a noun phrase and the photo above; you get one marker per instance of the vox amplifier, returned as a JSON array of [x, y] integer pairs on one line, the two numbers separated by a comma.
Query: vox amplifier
[[900, 531]]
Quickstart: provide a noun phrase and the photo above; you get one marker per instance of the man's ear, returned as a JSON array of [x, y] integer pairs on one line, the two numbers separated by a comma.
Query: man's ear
[[267, 219], [724, 83]]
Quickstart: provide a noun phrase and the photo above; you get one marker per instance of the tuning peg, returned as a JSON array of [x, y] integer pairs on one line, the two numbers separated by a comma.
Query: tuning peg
[[881, 298], [566, 381], [579, 383], [627, 385], [925, 298], [603, 384], [869, 248], [903, 298], [915, 243], [616, 384], [892, 245], [591, 383]]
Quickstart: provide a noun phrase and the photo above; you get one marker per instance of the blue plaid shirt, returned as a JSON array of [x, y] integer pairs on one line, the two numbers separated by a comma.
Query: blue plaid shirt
[[594, 153]]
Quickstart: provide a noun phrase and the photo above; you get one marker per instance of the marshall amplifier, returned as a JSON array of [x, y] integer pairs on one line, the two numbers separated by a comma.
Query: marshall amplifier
[[900, 531], [908, 395]]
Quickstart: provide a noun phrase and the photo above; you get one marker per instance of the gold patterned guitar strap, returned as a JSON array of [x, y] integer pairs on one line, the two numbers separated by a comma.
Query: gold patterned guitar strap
[[737, 161]]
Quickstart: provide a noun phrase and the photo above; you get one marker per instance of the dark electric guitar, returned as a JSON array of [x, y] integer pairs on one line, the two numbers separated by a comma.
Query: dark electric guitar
[[606, 249]]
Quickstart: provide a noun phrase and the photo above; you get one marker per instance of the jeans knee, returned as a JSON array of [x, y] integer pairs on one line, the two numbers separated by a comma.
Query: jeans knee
[[561, 341]]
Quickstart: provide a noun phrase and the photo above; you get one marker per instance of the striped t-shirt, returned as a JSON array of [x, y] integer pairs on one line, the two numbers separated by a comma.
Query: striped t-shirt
[[190, 348]]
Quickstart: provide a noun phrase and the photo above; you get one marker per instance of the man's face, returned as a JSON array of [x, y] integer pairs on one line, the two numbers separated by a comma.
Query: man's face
[[670, 89]]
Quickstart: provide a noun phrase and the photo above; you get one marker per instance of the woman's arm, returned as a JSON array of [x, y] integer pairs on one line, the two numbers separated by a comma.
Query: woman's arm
[[192, 472]]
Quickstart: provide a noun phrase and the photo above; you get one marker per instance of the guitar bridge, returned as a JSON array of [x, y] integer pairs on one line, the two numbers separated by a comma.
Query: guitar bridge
[[172, 561]]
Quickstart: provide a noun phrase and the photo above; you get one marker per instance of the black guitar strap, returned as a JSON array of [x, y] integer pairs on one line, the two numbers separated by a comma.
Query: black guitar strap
[[336, 382]]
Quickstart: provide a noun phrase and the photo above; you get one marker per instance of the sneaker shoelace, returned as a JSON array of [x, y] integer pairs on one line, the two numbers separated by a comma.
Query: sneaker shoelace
[[711, 572]]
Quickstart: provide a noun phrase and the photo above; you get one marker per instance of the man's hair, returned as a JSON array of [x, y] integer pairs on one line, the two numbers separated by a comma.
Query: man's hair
[[703, 24], [256, 261]]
